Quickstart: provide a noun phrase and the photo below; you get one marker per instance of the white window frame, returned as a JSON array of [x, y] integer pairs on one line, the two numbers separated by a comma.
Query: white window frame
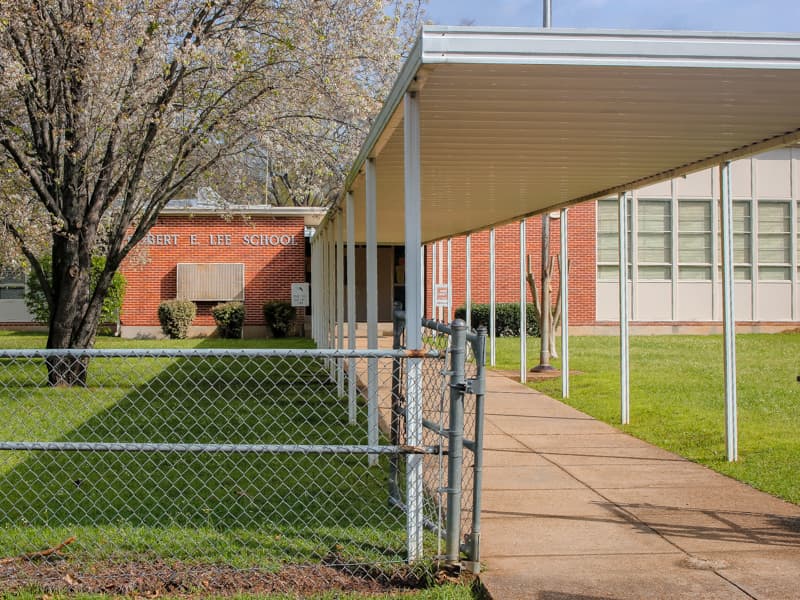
[[785, 234], [706, 233]]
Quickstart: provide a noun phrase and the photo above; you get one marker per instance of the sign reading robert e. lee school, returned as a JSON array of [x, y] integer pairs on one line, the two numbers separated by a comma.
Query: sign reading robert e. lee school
[[219, 239]]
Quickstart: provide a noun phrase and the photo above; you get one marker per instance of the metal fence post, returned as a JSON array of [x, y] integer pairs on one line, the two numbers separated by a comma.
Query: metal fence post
[[398, 327], [479, 389], [455, 450]]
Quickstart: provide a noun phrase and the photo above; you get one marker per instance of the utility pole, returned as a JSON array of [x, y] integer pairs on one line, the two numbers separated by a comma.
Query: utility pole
[[545, 314]]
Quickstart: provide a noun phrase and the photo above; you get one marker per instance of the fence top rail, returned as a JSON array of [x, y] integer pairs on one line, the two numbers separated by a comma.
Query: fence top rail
[[218, 353], [447, 329]]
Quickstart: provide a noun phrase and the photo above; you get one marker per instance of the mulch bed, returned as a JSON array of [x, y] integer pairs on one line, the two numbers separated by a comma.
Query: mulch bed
[[154, 579]]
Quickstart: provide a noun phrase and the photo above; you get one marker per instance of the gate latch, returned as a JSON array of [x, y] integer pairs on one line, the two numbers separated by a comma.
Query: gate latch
[[469, 386]]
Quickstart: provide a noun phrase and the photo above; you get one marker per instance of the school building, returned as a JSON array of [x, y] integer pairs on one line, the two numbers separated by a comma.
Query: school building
[[254, 254], [674, 255]]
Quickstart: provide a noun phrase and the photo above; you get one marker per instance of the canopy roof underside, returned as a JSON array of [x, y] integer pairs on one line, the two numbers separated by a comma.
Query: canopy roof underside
[[515, 122]]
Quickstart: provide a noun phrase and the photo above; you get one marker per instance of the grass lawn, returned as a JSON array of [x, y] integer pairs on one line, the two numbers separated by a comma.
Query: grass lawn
[[445, 592], [243, 510], [677, 398]]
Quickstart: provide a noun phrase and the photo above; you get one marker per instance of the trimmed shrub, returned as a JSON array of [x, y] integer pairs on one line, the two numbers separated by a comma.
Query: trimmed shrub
[[506, 318], [176, 316], [229, 318], [279, 316], [36, 302]]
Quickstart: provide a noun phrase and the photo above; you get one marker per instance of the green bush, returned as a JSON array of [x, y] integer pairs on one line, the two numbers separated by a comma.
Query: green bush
[[506, 318], [36, 301], [175, 317], [229, 318], [279, 316]]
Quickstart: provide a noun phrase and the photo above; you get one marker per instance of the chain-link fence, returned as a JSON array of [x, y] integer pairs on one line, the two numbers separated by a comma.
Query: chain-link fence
[[452, 393], [213, 460]]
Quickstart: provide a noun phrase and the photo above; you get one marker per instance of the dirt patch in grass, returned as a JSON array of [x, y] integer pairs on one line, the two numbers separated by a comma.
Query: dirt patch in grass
[[154, 579]]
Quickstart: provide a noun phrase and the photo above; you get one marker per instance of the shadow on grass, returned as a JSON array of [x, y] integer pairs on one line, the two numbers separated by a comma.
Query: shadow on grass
[[243, 510]]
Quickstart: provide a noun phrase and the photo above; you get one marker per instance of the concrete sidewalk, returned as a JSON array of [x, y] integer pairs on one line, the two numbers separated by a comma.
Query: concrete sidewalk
[[574, 509]]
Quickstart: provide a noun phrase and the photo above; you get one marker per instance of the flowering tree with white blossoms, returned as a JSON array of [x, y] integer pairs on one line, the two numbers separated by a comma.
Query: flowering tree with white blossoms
[[111, 108]]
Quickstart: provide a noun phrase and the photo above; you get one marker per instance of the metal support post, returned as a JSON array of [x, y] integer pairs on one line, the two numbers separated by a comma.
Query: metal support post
[[398, 327], [455, 447], [492, 299], [547, 13], [564, 280], [320, 289], [323, 299], [440, 310], [413, 230], [352, 382], [313, 294], [331, 269], [372, 307], [340, 302], [728, 314], [434, 281], [449, 279], [479, 388], [624, 342], [468, 282], [523, 297]]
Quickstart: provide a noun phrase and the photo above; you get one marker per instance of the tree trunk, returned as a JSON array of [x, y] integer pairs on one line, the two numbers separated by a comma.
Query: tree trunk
[[545, 322], [74, 315]]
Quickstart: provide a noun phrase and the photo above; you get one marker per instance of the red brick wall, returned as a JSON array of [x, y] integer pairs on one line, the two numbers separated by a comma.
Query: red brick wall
[[582, 253], [269, 270]]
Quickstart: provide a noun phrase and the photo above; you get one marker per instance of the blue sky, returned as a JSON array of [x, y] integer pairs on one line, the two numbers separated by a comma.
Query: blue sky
[[700, 15]]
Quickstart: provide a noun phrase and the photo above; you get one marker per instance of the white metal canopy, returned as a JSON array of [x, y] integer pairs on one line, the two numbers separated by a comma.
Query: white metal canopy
[[514, 122], [486, 126]]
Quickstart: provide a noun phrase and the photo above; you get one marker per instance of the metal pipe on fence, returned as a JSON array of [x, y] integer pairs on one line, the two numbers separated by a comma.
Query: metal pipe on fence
[[479, 389], [131, 447], [398, 325], [455, 449]]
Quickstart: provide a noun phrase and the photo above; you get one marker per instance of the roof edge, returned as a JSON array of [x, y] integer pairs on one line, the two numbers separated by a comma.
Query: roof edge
[[405, 78], [574, 47]]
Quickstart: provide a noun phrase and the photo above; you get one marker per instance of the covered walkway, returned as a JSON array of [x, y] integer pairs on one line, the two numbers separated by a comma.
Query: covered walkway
[[574, 509]]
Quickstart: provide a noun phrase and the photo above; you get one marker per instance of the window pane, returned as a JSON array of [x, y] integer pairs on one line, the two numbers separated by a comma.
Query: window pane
[[12, 277], [607, 247], [774, 273], [12, 293], [607, 217], [695, 248], [773, 217], [741, 273], [774, 240], [655, 272], [695, 273], [655, 239], [608, 273], [695, 215], [741, 215], [655, 216]]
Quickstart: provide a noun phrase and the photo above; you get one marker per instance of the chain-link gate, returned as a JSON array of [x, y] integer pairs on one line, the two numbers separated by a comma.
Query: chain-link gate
[[246, 460], [453, 388]]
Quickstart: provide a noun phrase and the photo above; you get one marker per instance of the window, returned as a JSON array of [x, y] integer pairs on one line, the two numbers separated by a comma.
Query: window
[[774, 241], [206, 282], [655, 239], [742, 240], [12, 284], [694, 239], [608, 239], [797, 241]]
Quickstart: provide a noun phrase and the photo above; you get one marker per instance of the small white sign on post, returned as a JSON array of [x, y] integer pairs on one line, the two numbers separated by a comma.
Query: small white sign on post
[[300, 294], [441, 295]]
